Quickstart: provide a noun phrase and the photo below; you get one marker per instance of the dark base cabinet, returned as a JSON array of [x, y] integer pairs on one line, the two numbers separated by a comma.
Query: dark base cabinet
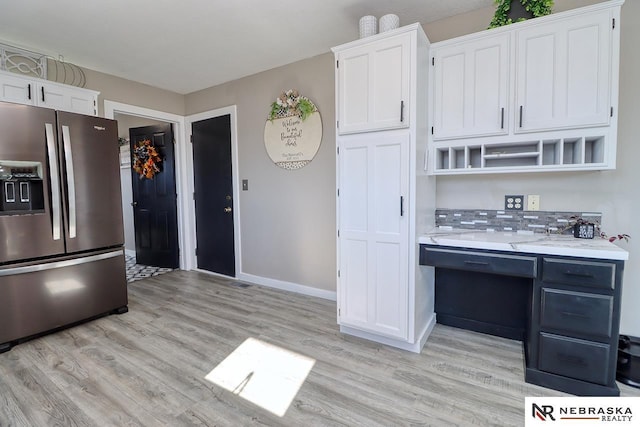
[[567, 384], [575, 327], [565, 310], [495, 305]]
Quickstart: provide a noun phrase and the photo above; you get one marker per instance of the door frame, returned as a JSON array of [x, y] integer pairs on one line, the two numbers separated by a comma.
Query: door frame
[[181, 169], [189, 120]]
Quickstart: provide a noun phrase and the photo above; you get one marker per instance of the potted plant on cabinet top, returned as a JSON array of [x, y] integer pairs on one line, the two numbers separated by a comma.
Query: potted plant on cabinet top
[[510, 11]]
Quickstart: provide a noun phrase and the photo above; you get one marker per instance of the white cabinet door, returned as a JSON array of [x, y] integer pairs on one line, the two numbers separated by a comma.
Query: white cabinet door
[[43, 93], [67, 98], [374, 232], [14, 88], [51, 96], [564, 73], [471, 88], [81, 101], [373, 85]]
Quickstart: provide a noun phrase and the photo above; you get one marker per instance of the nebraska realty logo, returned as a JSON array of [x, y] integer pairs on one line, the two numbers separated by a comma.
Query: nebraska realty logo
[[582, 411]]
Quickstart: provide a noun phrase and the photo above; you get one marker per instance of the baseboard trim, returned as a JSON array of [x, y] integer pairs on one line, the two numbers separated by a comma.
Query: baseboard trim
[[287, 286], [403, 345], [212, 273], [426, 331]]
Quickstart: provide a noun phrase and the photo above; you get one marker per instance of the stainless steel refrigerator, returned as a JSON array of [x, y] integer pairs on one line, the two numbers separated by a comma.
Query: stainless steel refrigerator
[[61, 232]]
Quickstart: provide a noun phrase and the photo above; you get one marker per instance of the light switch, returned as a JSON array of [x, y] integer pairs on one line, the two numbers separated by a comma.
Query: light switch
[[245, 184], [533, 202]]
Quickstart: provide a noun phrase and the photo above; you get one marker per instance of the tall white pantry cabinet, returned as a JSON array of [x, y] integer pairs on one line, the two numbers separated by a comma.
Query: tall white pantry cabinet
[[385, 198]]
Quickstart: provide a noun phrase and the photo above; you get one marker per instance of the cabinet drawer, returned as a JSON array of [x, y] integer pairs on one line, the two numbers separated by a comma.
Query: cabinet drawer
[[579, 273], [576, 312], [574, 358], [510, 265]]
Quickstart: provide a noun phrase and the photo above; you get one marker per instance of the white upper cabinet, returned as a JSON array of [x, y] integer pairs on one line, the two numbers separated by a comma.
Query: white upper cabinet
[[68, 98], [14, 88], [47, 94], [373, 85], [564, 73], [538, 95], [471, 88]]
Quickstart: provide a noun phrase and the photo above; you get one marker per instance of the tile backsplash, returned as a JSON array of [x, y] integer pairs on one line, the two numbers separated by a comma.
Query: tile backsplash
[[533, 221]]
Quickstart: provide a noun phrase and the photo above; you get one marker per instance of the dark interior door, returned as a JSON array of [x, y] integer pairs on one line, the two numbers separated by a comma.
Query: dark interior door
[[214, 195], [155, 216]]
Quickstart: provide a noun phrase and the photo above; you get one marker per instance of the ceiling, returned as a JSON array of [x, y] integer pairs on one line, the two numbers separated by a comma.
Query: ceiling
[[184, 46]]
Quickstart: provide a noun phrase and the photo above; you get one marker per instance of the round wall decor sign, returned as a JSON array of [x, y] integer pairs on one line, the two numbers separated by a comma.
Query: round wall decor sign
[[293, 132]]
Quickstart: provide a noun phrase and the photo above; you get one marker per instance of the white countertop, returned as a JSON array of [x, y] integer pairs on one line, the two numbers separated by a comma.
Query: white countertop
[[552, 244]]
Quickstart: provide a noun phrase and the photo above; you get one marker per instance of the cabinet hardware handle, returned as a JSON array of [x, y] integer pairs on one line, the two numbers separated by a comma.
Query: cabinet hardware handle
[[521, 116], [29, 91], [401, 111], [570, 314], [60, 264], [42, 90], [476, 263], [502, 118], [401, 206], [577, 274]]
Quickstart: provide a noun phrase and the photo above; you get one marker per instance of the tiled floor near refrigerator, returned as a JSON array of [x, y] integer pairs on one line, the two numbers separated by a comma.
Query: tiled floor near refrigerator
[[139, 271]]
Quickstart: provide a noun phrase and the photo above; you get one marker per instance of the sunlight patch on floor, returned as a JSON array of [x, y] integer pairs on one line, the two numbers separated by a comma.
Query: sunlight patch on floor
[[264, 374]]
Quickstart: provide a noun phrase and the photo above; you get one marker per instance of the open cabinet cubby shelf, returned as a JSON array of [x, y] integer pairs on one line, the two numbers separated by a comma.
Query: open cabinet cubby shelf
[[544, 154]]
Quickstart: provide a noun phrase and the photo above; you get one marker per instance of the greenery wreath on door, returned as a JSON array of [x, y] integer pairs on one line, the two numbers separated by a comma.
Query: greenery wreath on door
[[146, 159]]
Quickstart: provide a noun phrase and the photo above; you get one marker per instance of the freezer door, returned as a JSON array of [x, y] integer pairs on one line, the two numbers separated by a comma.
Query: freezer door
[[39, 297], [90, 161], [28, 142]]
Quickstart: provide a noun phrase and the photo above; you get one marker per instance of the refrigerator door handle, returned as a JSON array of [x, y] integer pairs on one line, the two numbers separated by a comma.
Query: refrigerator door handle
[[59, 264], [54, 179], [71, 186]]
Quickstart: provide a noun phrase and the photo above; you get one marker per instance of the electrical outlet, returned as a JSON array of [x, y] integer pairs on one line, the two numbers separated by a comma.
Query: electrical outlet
[[533, 202], [513, 203]]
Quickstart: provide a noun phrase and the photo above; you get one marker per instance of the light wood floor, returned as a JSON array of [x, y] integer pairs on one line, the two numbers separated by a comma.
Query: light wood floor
[[148, 367]]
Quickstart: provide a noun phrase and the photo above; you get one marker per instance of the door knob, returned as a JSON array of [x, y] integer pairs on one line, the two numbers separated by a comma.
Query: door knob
[[227, 209], [134, 204]]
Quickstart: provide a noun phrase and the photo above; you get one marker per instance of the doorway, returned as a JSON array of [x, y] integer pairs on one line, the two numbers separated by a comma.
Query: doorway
[[133, 116], [154, 200], [213, 184], [216, 191]]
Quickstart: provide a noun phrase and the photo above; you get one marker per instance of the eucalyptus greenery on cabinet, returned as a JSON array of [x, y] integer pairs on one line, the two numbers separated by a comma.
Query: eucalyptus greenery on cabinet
[[507, 11]]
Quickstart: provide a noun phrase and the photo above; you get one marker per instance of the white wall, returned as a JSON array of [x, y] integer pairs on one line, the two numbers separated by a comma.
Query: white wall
[[614, 193], [287, 218]]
